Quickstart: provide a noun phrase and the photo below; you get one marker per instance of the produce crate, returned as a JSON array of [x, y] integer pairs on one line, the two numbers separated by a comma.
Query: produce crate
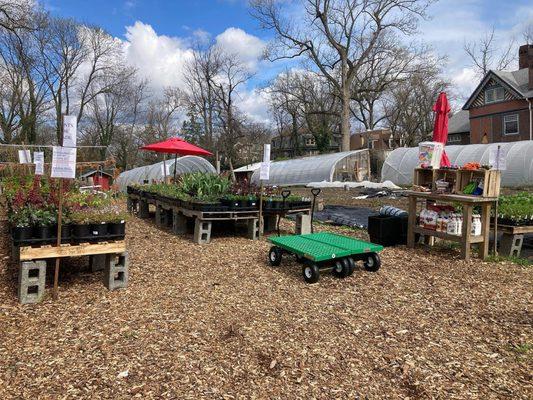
[[423, 177], [448, 175], [491, 180]]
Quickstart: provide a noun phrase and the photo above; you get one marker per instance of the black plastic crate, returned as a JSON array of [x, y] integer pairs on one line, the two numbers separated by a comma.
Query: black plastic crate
[[385, 230]]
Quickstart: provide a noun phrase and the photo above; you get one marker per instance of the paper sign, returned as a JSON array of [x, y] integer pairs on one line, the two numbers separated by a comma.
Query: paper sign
[[63, 162], [69, 130], [38, 159], [264, 172], [163, 172], [498, 158], [266, 153], [24, 156]]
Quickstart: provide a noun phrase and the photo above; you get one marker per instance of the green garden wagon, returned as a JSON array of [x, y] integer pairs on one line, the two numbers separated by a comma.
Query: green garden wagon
[[325, 251]]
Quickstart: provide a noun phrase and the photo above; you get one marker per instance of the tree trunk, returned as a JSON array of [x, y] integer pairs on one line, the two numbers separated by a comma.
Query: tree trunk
[[345, 118]]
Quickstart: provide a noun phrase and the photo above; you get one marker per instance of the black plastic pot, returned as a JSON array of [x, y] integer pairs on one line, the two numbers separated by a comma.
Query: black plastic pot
[[116, 228], [232, 204], [22, 233], [99, 230], [43, 232], [65, 232], [80, 231]]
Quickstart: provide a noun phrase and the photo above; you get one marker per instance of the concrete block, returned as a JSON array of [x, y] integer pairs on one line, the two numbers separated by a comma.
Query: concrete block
[[303, 224], [511, 245], [179, 223], [116, 272], [31, 283], [97, 262], [144, 209], [270, 223], [253, 229], [202, 231]]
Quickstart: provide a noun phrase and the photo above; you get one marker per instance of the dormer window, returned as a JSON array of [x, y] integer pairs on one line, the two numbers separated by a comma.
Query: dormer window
[[494, 95]]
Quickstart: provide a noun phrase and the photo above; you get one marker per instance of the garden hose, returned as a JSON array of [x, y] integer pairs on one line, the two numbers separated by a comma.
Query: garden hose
[[284, 193], [315, 192]]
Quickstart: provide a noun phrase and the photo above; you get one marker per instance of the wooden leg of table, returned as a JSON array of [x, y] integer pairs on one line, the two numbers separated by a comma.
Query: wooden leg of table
[[467, 228], [485, 231], [411, 222]]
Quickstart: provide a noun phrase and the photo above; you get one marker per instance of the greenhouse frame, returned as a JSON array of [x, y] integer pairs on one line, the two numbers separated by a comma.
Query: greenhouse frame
[[344, 166], [518, 172], [155, 173]]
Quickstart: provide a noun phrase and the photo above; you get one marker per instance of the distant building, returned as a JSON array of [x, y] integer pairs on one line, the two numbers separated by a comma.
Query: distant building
[[283, 146], [378, 139], [459, 128], [99, 178], [501, 107]]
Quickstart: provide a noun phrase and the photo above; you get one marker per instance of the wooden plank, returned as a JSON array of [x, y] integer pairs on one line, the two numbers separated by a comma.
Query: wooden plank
[[85, 249], [485, 230], [463, 198], [467, 230], [411, 222], [446, 236], [514, 230]]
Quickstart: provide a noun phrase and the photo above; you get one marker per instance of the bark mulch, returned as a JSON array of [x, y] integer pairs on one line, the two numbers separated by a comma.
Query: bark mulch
[[216, 322]]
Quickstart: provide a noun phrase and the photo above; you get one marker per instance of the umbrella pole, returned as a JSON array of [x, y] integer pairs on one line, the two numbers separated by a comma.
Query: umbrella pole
[[165, 168], [175, 160]]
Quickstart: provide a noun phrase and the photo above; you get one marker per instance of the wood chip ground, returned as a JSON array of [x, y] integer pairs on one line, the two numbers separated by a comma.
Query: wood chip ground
[[216, 322]]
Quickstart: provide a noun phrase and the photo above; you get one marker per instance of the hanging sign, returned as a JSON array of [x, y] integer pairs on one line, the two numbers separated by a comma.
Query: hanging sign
[[24, 156], [69, 130], [63, 162], [38, 159], [165, 169], [264, 172], [498, 158]]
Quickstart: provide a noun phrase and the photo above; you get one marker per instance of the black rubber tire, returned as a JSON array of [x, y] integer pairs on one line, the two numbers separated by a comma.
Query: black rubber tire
[[311, 273], [351, 263], [372, 262], [274, 256], [341, 268], [299, 259]]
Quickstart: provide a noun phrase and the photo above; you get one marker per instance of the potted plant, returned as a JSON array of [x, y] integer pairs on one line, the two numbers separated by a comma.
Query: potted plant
[[21, 225], [44, 224], [80, 227]]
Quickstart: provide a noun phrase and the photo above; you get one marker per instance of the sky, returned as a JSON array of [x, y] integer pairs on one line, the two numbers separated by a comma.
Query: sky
[[158, 35]]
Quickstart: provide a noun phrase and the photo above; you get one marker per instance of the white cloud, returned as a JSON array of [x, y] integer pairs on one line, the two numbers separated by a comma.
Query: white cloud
[[254, 103], [247, 47]]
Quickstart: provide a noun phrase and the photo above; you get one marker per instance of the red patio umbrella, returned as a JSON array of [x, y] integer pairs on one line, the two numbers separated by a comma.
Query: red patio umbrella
[[176, 146], [440, 130]]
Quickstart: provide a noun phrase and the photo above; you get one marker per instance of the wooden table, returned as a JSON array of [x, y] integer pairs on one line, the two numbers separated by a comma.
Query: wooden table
[[466, 238]]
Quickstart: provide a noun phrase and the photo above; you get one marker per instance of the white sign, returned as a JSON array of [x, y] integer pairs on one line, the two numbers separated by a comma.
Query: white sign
[[63, 162], [69, 130], [38, 159], [24, 156], [165, 169], [266, 153], [264, 172], [498, 158]]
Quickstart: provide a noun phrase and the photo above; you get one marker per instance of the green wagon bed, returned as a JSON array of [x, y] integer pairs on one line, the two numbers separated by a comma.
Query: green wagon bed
[[320, 251]]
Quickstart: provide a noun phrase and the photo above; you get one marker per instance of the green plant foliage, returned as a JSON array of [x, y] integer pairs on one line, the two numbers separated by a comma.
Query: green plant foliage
[[517, 208]]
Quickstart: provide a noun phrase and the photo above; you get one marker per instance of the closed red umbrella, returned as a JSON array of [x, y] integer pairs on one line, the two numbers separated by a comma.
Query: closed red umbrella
[[440, 130], [176, 146]]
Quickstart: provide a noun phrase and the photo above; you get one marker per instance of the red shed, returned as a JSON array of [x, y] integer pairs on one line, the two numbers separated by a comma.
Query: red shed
[[97, 178]]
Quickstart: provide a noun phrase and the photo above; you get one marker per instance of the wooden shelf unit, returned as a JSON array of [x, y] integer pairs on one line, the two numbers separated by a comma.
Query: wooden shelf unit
[[458, 179]]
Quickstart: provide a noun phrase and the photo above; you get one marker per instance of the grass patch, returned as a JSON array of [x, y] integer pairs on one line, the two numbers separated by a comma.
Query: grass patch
[[515, 260]]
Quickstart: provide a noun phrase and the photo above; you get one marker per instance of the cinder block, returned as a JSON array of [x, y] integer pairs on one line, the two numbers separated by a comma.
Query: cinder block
[[253, 229], [144, 210], [97, 262], [270, 223], [202, 231], [116, 272], [179, 223], [32, 279], [511, 245], [303, 224]]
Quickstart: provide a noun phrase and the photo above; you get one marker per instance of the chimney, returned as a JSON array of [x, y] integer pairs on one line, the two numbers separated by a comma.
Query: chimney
[[525, 60]]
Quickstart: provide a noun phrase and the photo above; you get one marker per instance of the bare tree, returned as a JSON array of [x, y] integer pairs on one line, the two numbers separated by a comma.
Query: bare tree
[[338, 36], [485, 54], [527, 35], [15, 15]]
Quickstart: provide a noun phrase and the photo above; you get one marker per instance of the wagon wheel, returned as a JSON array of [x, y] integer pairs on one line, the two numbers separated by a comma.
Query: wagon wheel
[[351, 263], [372, 262], [341, 268], [311, 273], [274, 256]]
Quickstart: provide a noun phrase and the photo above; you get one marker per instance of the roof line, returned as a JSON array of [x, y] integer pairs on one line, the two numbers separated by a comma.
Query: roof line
[[482, 84]]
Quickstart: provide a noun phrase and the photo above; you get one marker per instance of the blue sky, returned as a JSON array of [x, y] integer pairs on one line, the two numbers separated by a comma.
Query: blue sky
[[158, 34]]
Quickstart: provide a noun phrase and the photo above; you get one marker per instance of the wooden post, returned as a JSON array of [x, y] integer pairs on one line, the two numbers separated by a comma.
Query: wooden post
[[485, 230], [496, 228], [261, 220], [467, 228], [58, 242], [411, 221]]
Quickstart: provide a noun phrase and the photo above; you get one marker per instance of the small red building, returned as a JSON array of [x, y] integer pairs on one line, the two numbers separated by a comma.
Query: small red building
[[97, 178]]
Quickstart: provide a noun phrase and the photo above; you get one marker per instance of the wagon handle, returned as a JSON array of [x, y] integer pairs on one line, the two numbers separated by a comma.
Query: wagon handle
[[315, 192], [284, 193]]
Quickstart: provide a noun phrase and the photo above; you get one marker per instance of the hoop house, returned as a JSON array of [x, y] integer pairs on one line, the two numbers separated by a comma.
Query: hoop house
[[345, 166], [154, 172], [399, 165]]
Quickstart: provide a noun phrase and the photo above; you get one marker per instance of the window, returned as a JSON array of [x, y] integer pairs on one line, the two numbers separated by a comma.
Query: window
[[494, 94], [310, 141], [510, 124], [454, 139]]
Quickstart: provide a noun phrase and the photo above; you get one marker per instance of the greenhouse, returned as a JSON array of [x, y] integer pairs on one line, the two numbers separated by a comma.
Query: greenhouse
[[400, 164], [345, 166], [155, 172]]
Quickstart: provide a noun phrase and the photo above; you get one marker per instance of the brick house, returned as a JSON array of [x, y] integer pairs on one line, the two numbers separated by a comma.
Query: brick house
[[501, 107], [459, 128], [378, 139], [283, 146]]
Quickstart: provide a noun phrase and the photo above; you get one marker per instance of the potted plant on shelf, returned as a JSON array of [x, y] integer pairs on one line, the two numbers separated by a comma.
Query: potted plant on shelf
[[44, 224], [80, 227], [21, 225]]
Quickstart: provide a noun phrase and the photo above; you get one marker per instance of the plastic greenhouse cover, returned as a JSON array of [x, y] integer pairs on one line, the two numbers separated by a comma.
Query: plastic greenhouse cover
[[400, 164], [302, 171], [154, 172]]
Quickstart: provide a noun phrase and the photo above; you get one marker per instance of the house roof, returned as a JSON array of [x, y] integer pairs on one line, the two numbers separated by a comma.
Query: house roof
[[248, 168], [94, 172], [459, 122], [515, 81]]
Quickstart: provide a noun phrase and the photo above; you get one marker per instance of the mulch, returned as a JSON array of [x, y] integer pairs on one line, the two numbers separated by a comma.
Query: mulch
[[215, 321]]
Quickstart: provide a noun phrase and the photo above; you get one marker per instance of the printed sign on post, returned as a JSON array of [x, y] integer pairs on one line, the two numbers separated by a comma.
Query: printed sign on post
[[63, 162], [165, 169], [24, 156], [498, 158], [69, 130], [264, 172], [38, 159]]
